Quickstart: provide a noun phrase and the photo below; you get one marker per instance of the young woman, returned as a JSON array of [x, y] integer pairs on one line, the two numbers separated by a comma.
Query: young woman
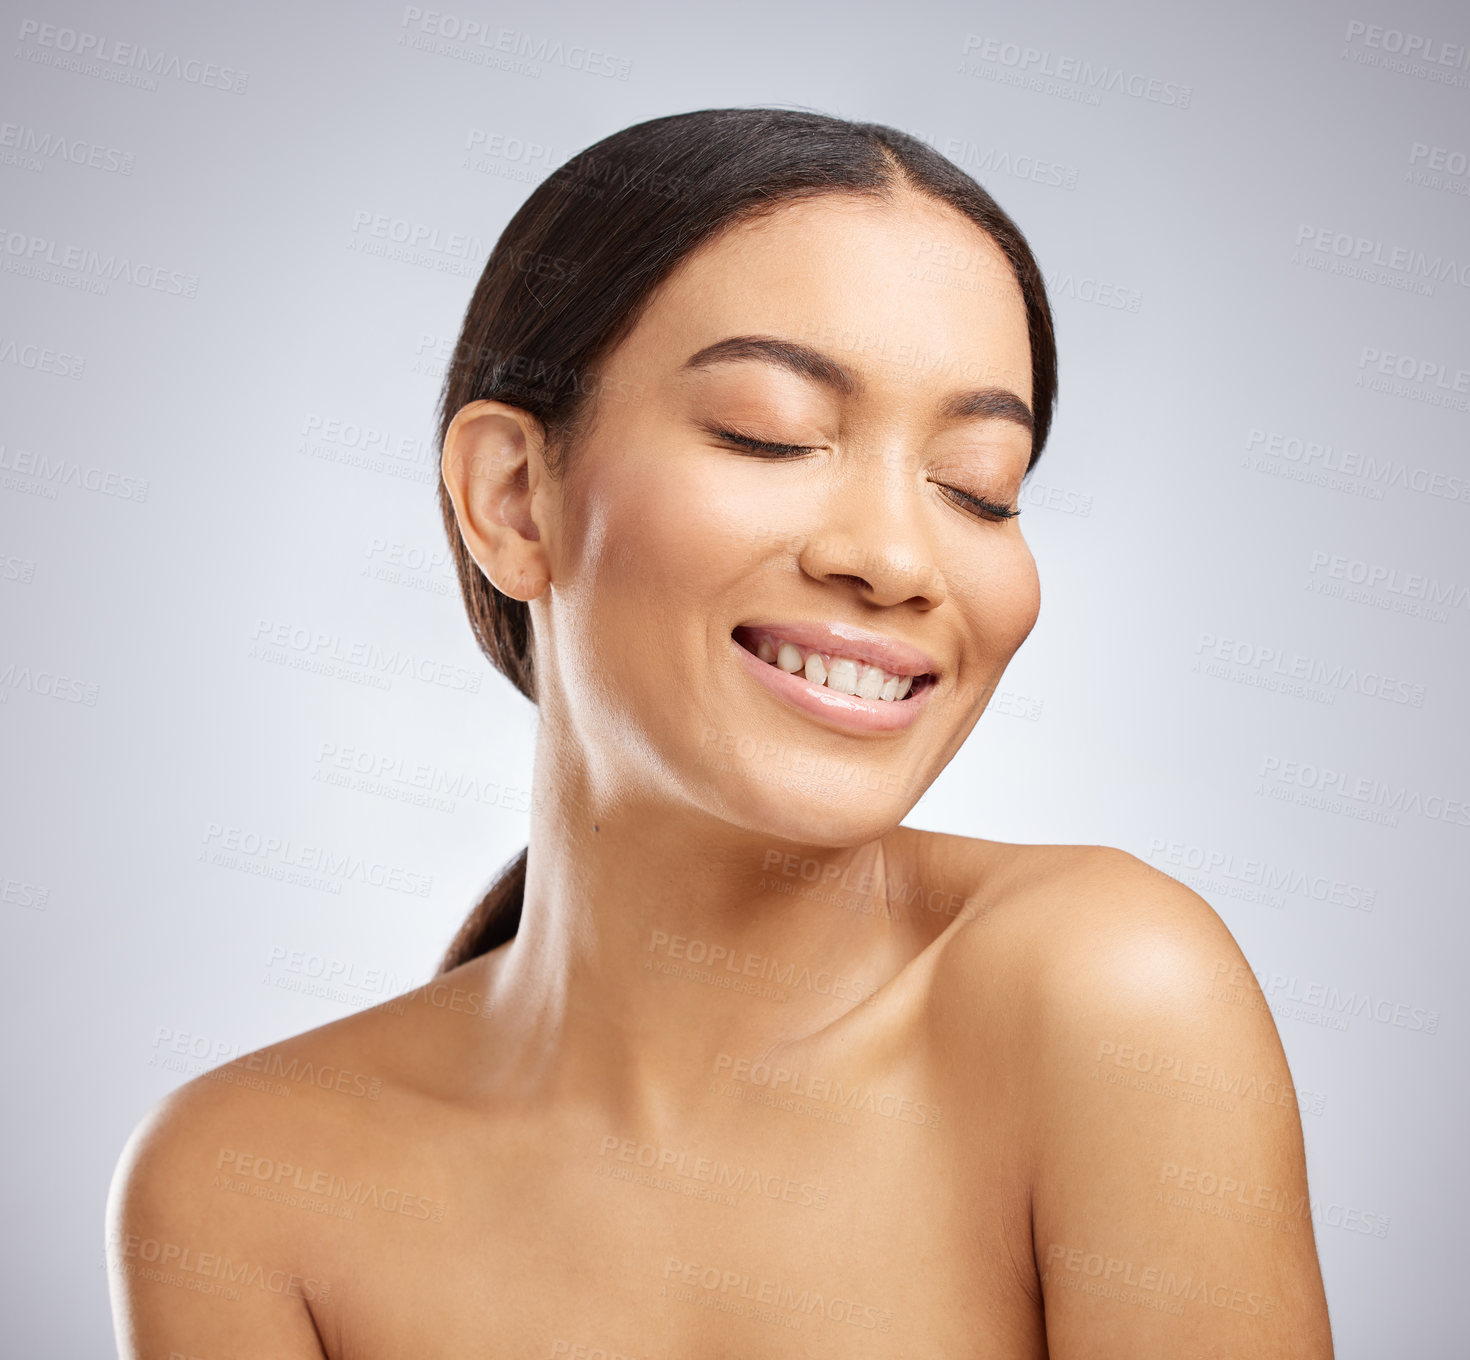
[[730, 1062]]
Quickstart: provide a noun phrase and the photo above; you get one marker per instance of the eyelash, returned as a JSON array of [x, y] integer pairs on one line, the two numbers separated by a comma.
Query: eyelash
[[989, 509]]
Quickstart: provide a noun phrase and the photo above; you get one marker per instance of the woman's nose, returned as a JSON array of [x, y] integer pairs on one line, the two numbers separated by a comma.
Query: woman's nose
[[870, 533]]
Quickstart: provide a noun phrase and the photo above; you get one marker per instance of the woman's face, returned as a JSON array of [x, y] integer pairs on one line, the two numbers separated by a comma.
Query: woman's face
[[884, 349]]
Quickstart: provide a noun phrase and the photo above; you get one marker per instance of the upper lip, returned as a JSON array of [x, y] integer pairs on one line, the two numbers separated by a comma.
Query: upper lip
[[846, 639]]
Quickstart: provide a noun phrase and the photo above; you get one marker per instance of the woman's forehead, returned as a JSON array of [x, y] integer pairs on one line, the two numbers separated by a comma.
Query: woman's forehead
[[868, 281]]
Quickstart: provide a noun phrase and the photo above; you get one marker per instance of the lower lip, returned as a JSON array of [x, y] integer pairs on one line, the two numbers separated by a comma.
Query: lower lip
[[846, 711]]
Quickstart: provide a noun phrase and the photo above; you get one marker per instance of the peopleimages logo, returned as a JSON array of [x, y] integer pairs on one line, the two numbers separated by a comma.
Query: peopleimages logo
[[473, 40], [1410, 368], [204, 1272], [988, 160], [40, 358], [55, 261], [126, 63], [32, 149], [1161, 1068], [1410, 47], [713, 960], [282, 852], [56, 470], [1132, 1283], [1413, 378], [1345, 1003], [729, 1181], [827, 1090], [48, 684], [1363, 253], [1222, 1195], [358, 659], [1326, 786], [1413, 586], [1373, 472], [255, 1170], [1069, 77], [1253, 879], [1263, 660], [1438, 167], [720, 1287]]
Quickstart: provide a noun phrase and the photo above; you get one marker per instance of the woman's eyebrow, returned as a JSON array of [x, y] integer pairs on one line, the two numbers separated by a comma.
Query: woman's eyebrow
[[800, 359], [996, 403]]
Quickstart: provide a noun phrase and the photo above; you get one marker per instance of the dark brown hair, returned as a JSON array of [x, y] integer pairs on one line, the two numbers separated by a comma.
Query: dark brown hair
[[579, 261]]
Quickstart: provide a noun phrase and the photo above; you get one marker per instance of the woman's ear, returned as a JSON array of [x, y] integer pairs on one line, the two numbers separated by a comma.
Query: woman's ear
[[494, 472]]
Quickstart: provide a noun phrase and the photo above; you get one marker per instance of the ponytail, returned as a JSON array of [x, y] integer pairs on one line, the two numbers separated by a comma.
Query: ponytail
[[494, 920]]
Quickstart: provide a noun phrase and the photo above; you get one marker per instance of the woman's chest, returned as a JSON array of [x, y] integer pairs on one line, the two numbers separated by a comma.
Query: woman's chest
[[779, 1232]]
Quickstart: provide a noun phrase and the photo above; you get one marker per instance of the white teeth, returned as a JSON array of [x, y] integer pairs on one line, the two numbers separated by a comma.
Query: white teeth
[[845, 675]]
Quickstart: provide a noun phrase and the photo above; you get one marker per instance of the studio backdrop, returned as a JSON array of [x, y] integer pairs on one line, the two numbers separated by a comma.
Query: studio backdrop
[[255, 770]]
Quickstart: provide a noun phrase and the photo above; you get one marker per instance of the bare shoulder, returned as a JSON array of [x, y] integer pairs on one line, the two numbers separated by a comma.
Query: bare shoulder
[[1081, 930], [191, 1263], [337, 1081], [222, 1225], [1093, 961], [274, 1093], [1166, 1167]]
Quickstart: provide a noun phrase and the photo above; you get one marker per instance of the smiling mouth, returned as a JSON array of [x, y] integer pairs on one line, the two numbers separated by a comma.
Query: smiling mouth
[[832, 670]]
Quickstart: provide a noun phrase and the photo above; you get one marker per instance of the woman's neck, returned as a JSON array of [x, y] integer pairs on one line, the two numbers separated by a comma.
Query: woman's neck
[[654, 937]]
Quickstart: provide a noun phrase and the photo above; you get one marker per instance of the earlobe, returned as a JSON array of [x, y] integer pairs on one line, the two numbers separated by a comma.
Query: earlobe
[[492, 455]]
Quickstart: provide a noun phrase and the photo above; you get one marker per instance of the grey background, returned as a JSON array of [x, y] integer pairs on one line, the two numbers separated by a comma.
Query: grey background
[[1171, 515]]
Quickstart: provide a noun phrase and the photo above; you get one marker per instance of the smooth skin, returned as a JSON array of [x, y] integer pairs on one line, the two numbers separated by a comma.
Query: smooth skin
[[764, 1073]]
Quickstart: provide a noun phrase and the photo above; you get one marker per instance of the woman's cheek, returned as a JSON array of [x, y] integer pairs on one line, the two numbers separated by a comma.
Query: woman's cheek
[[1025, 594], [706, 524], [1002, 598], [643, 520]]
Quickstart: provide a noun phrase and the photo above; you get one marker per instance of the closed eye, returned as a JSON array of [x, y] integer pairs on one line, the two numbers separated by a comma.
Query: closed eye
[[975, 505], [762, 446], [978, 505]]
